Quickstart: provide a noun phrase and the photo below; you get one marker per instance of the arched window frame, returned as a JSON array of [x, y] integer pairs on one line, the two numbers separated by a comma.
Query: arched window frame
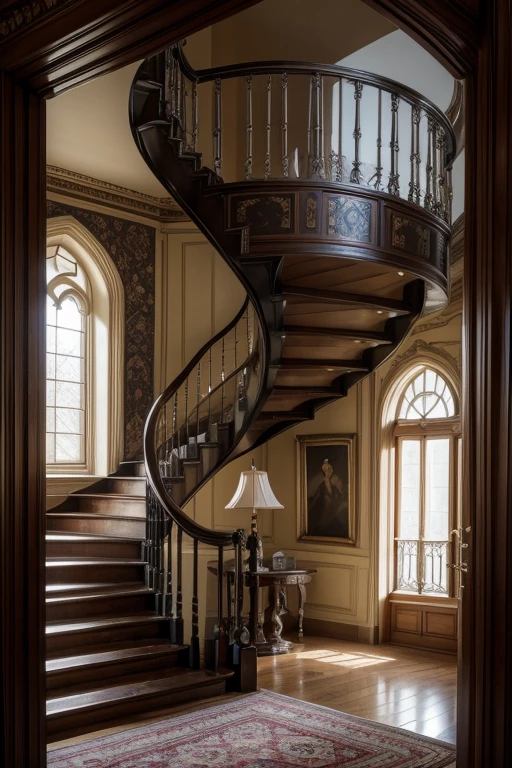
[[82, 298], [106, 321], [423, 432], [419, 354]]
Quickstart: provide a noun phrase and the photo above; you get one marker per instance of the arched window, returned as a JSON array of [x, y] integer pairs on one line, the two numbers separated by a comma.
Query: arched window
[[428, 396], [427, 444], [85, 331], [67, 310]]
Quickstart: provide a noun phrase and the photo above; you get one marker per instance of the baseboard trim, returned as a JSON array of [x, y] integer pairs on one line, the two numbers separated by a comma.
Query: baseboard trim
[[337, 630]]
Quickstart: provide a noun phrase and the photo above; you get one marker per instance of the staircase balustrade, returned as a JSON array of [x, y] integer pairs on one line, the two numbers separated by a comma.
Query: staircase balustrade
[[192, 428], [312, 122]]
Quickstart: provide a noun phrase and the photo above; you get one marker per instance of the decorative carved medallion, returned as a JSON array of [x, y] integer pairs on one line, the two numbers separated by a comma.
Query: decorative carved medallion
[[266, 214], [349, 218], [410, 236]]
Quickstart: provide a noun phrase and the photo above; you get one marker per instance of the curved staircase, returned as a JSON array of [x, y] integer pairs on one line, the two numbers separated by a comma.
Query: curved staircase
[[336, 220], [335, 217]]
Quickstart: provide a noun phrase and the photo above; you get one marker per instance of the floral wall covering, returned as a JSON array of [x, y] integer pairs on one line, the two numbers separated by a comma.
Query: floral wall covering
[[131, 247]]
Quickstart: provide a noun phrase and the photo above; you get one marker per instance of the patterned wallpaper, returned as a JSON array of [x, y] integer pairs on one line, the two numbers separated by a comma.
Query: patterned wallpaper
[[132, 249]]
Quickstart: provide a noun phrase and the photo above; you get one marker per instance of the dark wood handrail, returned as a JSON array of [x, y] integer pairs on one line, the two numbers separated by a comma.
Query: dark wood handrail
[[218, 387], [311, 68], [189, 526]]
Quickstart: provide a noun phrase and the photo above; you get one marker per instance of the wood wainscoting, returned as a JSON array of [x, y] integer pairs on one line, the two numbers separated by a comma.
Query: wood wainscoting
[[428, 624]]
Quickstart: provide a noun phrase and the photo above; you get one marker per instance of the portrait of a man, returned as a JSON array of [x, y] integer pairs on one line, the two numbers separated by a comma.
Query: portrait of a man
[[325, 466]]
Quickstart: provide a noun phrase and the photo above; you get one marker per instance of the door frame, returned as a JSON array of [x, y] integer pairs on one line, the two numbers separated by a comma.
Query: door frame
[[46, 48]]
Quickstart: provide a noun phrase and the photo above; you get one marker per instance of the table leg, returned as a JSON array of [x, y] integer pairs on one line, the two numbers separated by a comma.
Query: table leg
[[302, 600], [272, 618]]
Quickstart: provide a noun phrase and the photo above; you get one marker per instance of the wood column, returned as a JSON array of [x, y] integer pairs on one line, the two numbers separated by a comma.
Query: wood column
[[485, 663], [22, 339]]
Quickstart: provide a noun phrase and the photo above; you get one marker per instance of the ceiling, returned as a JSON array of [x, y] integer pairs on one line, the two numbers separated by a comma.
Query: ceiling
[[88, 131]]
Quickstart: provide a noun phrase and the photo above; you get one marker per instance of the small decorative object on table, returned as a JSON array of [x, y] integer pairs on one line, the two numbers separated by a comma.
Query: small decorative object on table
[[278, 561]]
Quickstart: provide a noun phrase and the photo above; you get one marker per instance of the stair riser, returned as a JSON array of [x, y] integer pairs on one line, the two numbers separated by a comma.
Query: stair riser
[[56, 682], [113, 506], [85, 641], [129, 487], [208, 457], [63, 726], [94, 574], [119, 528], [191, 478], [132, 469], [131, 550], [85, 607]]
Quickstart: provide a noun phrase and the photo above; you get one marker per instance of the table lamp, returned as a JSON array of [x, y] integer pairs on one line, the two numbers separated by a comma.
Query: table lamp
[[254, 492]]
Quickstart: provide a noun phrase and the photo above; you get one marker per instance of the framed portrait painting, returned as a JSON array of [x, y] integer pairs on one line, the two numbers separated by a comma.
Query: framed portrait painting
[[326, 488]]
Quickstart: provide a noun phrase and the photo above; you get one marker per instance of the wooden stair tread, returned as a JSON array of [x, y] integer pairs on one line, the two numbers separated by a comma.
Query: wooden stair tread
[[344, 297], [313, 391], [378, 337], [91, 594], [107, 657], [87, 537], [128, 497], [139, 478], [282, 416], [104, 586], [66, 561], [102, 622], [291, 363], [129, 691], [96, 515]]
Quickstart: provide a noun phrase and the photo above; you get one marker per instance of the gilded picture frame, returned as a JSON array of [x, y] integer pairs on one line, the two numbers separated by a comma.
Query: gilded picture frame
[[326, 489]]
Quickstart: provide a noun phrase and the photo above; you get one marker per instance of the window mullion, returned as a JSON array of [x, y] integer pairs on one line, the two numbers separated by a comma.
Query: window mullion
[[423, 491]]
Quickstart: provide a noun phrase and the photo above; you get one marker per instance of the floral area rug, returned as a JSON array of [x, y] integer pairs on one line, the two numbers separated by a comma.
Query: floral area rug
[[262, 730]]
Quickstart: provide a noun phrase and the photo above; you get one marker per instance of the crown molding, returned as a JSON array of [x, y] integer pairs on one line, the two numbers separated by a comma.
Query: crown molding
[[15, 16], [80, 187]]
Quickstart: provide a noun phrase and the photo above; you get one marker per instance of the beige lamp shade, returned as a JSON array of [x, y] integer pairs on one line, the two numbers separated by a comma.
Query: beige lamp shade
[[254, 492]]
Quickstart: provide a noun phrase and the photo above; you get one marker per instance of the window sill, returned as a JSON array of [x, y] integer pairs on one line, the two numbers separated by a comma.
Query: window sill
[[437, 600]]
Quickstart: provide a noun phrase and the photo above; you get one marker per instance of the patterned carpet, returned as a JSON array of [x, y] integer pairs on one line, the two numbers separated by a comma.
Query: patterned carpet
[[262, 730]]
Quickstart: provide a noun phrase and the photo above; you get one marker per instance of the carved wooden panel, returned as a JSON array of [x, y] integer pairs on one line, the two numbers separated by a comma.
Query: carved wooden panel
[[407, 620], [310, 213], [420, 625], [441, 624], [349, 218], [410, 236], [265, 214]]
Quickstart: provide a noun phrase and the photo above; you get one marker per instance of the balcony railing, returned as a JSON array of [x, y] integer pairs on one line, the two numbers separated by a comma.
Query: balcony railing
[[422, 566], [291, 120]]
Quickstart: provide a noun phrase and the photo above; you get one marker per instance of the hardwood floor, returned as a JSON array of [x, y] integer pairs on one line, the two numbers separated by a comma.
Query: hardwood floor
[[402, 687], [398, 686]]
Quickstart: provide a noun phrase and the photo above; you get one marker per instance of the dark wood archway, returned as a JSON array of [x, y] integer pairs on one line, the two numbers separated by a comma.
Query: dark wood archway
[[48, 47]]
